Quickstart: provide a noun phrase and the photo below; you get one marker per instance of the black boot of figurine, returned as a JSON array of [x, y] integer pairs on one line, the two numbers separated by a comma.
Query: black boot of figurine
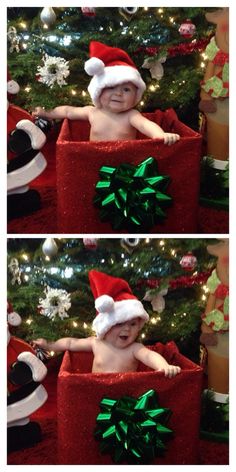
[[23, 204], [21, 437]]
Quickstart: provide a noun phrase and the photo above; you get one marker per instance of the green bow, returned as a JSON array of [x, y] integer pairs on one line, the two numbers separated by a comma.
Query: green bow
[[132, 197], [133, 430]]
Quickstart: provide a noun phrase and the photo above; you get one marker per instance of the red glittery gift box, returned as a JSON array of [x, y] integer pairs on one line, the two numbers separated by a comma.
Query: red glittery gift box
[[79, 162], [80, 393]]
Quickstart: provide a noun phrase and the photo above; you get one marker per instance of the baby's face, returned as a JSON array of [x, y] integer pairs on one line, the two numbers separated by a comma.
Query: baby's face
[[123, 334], [118, 99]]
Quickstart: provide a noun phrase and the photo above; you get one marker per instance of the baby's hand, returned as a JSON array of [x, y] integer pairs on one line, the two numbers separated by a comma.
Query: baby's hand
[[171, 138], [38, 111], [40, 343], [170, 370]]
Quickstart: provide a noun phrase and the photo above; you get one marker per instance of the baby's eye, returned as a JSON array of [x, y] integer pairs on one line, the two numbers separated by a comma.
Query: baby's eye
[[127, 89]]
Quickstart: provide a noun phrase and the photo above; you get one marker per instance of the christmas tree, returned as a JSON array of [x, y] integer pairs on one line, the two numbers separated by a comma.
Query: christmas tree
[[47, 49], [48, 285]]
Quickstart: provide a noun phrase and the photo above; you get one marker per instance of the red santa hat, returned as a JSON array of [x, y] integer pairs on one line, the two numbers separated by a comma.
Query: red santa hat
[[114, 302], [110, 67], [13, 318]]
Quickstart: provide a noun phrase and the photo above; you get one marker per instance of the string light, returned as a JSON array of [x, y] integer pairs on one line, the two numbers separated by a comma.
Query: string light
[[25, 257], [153, 320], [23, 25], [29, 321], [83, 93], [162, 243], [52, 353], [27, 89], [73, 92], [143, 335], [75, 324], [85, 325]]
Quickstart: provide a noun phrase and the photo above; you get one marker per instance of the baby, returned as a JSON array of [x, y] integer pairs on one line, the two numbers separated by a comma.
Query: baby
[[118, 322], [115, 89]]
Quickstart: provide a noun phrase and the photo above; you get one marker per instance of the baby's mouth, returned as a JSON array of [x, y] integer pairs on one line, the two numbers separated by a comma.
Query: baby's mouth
[[123, 338]]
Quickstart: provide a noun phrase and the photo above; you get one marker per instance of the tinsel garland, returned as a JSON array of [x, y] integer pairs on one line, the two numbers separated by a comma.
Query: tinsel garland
[[178, 282], [177, 50]]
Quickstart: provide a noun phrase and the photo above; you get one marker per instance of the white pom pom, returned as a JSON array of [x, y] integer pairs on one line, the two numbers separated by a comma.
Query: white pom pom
[[12, 87], [104, 304], [94, 66], [14, 319]]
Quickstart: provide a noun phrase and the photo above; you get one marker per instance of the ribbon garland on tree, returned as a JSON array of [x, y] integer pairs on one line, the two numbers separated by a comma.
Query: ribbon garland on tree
[[133, 430], [132, 197]]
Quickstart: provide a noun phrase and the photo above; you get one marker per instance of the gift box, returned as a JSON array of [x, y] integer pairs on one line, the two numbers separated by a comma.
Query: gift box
[[79, 162], [80, 393]]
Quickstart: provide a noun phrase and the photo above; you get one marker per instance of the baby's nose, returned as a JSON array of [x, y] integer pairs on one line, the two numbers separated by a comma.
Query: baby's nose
[[118, 90]]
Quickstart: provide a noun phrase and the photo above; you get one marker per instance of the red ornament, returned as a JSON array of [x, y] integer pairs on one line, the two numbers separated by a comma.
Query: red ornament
[[88, 11], [90, 243], [187, 29], [188, 262]]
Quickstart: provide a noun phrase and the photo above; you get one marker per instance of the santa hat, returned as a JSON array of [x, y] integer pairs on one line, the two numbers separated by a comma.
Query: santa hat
[[114, 302], [13, 318], [110, 67]]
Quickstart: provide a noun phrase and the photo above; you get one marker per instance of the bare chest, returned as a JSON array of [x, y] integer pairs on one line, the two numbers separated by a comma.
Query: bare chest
[[110, 128], [109, 359]]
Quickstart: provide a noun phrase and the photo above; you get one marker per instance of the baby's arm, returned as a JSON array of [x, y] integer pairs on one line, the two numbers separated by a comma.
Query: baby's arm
[[64, 344], [72, 113], [155, 361], [151, 129]]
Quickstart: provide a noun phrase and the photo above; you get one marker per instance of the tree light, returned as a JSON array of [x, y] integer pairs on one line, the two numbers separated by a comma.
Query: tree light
[[75, 324], [29, 321], [25, 257]]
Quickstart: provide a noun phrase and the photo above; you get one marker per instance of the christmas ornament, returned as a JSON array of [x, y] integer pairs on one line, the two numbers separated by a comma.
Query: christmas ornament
[[188, 261], [156, 297], [55, 304], [187, 29], [131, 196], [14, 39], [133, 430], [128, 12], [49, 247], [15, 271], [54, 71], [88, 11], [155, 67], [48, 16], [90, 243], [42, 354], [129, 244]]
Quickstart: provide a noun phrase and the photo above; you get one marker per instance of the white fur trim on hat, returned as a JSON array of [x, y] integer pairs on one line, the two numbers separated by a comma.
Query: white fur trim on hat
[[112, 76], [121, 311]]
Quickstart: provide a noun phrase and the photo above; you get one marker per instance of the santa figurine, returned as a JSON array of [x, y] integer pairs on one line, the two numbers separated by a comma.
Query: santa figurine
[[25, 161], [25, 393]]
